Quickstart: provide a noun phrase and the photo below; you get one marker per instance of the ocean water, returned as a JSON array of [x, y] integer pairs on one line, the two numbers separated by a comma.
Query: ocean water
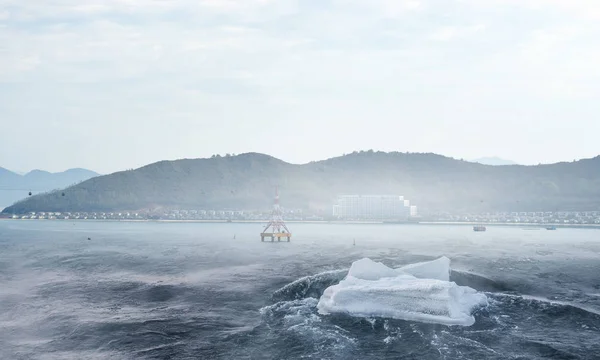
[[193, 291]]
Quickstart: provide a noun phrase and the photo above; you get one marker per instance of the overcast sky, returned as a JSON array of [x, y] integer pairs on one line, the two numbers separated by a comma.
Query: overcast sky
[[116, 84]]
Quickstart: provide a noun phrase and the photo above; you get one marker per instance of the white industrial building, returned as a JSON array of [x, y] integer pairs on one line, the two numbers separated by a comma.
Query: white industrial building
[[413, 211], [372, 207]]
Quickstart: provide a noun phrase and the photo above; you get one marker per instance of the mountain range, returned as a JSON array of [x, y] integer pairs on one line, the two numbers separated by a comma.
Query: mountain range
[[432, 182], [494, 160], [14, 187]]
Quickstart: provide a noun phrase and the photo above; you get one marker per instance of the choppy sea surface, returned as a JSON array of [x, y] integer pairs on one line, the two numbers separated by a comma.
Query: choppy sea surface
[[214, 291]]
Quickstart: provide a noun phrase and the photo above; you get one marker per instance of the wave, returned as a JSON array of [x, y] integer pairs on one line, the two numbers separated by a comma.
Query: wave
[[309, 286], [478, 281], [555, 307], [299, 320]]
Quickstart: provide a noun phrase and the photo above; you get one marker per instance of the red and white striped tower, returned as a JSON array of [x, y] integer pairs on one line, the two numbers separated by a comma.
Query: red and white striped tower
[[278, 228]]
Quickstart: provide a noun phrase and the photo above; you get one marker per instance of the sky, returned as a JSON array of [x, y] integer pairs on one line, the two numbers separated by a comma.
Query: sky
[[116, 84]]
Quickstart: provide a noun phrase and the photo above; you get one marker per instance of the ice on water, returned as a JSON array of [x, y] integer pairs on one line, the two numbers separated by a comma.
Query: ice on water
[[437, 269], [417, 292]]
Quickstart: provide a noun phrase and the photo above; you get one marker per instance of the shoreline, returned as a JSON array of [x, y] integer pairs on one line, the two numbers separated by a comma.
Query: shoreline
[[332, 222], [528, 225]]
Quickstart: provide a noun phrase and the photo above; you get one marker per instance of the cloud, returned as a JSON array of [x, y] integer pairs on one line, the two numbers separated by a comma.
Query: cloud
[[580, 8], [444, 34], [564, 59], [110, 40], [315, 63], [28, 63], [584, 8], [448, 33], [383, 8]]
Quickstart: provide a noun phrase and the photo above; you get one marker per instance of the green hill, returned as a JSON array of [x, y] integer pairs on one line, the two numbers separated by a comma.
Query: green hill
[[432, 182]]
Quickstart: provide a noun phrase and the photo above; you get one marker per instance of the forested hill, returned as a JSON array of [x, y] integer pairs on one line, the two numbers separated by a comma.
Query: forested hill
[[430, 181]]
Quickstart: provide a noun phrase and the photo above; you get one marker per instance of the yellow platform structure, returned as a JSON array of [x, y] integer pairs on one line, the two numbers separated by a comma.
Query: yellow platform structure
[[274, 236], [276, 224]]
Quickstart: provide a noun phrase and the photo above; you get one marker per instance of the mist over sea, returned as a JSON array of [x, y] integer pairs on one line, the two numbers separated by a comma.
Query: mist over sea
[[153, 290]]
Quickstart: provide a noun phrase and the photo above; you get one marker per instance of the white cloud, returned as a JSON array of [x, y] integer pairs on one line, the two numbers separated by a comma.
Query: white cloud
[[28, 63], [380, 8], [452, 32], [32, 10], [581, 8], [319, 64], [585, 8], [444, 34], [564, 59]]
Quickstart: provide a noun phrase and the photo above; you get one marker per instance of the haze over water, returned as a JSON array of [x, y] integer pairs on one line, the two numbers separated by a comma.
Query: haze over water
[[187, 291]]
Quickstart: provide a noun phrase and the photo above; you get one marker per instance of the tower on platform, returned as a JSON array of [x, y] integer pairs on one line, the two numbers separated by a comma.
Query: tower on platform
[[276, 228]]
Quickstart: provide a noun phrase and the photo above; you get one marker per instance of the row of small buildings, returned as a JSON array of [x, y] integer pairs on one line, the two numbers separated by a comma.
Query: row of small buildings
[[240, 215], [346, 208], [548, 217], [80, 215]]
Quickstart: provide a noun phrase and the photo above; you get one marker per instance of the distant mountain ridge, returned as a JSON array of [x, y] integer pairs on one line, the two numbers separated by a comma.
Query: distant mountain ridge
[[494, 161], [432, 182], [14, 187]]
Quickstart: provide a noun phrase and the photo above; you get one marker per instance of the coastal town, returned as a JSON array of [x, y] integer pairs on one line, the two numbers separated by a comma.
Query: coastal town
[[175, 215], [355, 208], [558, 218]]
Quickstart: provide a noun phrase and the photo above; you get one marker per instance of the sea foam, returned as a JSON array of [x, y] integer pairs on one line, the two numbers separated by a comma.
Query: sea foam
[[417, 292]]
